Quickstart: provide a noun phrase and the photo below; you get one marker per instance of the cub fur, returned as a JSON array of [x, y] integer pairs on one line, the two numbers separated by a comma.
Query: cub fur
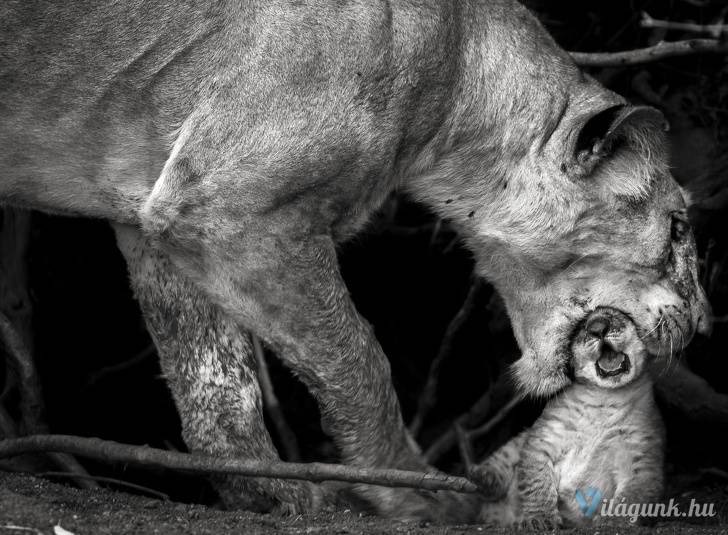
[[603, 432]]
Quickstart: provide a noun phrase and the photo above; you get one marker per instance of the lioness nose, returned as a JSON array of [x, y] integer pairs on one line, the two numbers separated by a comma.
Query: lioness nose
[[598, 326]]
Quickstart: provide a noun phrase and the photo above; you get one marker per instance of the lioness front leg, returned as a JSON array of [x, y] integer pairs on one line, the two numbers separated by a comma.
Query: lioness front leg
[[209, 367], [287, 288]]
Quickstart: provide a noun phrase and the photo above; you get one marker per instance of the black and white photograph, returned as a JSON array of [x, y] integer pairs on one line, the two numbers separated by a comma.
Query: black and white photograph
[[363, 267]]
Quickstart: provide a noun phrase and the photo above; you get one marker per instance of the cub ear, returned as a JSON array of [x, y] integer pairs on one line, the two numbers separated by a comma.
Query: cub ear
[[596, 136]]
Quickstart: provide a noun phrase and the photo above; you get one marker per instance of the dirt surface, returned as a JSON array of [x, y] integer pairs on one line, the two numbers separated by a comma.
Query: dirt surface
[[33, 505]]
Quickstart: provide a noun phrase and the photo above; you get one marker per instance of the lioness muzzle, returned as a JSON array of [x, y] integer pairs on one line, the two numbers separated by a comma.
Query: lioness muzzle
[[233, 145]]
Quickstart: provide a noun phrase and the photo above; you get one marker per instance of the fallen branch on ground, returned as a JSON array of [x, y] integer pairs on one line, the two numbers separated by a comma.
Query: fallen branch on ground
[[107, 451], [650, 54]]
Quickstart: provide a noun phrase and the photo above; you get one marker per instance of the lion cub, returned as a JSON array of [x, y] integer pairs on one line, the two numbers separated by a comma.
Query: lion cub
[[601, 438]]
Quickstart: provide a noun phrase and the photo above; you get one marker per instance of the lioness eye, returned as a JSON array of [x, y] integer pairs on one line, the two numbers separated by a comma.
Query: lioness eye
[[680, 226]]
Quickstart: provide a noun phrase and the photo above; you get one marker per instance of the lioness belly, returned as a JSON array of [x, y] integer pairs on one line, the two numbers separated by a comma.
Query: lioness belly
[[62, 169]]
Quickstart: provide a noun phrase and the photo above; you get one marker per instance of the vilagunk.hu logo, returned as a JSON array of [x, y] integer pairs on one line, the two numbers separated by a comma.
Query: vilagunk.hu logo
[[590, 499]]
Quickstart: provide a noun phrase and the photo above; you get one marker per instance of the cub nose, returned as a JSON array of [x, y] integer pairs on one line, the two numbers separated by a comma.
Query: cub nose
[[598, 326]]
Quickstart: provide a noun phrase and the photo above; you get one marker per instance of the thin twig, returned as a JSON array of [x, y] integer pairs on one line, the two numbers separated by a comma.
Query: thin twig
[[497, 418], [31, 405], [7, 425], [113, 481], [467, 419], [13, 527], [140, 357], [16, 334], [502, 388], [714, 30], [69, 464], [715, 472], [107, 451], [465, 447], [273, 407], [428, 396], [15, 300], [650, 54]]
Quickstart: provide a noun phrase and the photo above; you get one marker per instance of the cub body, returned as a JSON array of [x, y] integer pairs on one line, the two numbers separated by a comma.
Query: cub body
[[604, 432]]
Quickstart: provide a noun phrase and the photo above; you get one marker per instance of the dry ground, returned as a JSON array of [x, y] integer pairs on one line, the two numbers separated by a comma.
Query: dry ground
[[30, 505]]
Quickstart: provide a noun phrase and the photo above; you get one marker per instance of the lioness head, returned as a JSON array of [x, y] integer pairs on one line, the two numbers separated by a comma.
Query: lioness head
[[563, 193], [568, 206], [597, 221]]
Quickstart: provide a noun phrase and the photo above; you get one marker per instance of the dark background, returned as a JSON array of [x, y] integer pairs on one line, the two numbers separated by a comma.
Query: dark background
[[408, 276]]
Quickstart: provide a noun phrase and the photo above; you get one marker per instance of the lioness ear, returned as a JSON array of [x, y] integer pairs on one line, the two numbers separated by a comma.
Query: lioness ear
[[599, 133]]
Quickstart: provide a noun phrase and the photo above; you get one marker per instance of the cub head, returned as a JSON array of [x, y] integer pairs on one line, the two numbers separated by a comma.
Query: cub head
[[607, 352]]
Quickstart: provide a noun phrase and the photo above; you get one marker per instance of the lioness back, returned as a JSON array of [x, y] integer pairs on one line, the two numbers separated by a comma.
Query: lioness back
[[93, 94]]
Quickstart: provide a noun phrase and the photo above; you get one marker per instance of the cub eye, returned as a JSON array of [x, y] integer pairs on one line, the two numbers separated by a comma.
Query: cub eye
[[680, 226]]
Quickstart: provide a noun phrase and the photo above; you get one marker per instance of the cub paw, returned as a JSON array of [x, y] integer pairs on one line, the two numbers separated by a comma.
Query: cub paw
[[493, 485]]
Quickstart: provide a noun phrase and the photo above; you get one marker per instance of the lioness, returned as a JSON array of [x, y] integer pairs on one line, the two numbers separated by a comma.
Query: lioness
[[234, 144]]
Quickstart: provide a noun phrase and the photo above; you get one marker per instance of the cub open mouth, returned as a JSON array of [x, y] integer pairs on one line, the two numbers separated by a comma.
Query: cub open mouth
[[612, 363]]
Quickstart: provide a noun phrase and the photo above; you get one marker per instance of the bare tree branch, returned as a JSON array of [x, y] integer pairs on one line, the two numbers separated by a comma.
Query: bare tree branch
[[650, 54], [7, 425], [714, 30], [273, 407], [107, 451], [31, 400], [140, 357], [31, 404], [428, 397], [16, 334], [465, 447], [497, 418], [503, 388], [15, 300]]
